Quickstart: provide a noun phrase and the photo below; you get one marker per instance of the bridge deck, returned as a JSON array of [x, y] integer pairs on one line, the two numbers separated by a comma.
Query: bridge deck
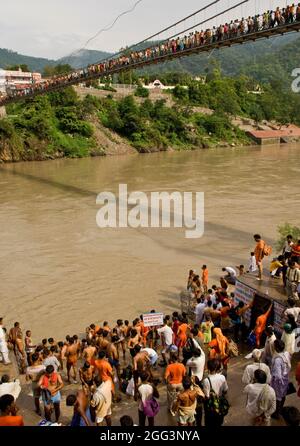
[[250, 37]]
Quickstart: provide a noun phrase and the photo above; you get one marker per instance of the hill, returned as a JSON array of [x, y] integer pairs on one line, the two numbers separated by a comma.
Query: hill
[[8, 58], [78, 60], [84, 58]]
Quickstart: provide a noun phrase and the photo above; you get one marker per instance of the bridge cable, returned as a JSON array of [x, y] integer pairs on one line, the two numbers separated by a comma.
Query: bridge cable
[[211, 18], [162, 31], [107, 28], [177, 34]]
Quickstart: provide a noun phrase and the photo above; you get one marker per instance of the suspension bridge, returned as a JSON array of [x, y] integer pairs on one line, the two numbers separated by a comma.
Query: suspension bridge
[[192, 40]]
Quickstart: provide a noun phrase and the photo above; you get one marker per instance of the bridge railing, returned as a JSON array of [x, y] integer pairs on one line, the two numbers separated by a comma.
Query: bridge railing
[[111, 67]]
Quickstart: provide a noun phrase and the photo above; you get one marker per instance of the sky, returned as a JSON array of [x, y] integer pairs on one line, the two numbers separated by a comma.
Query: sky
[[56, 28]]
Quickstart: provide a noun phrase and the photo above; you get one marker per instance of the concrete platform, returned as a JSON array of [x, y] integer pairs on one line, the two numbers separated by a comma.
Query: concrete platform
[[267, 288]]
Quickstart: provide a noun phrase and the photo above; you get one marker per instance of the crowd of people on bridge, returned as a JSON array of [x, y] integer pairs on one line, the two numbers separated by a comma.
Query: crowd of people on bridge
[[186, 358], [181, 44]]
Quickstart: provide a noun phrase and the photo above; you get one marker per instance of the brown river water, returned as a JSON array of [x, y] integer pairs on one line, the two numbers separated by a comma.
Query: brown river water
[[60, 272]]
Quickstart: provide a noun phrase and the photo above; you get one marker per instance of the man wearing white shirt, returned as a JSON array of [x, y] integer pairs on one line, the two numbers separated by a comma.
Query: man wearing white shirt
[[261, 399], [231, 275], [248, 376], [269, 349], [199, 310], [3, 344], [292, 310], [214, 382], [212, 296], [153, 356], [10, 388], [197, 363], [167, 336], [252, 267]]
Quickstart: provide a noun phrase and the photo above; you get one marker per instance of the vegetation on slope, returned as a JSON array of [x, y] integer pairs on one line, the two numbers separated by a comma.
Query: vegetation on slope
[[60, 124]]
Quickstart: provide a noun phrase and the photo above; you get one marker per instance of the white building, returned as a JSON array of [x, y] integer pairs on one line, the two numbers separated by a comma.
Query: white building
[[157, 84], [2, 81], [16, 80]]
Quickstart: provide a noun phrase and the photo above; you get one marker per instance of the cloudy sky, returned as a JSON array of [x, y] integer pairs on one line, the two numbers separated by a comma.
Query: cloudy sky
[[56, 28]]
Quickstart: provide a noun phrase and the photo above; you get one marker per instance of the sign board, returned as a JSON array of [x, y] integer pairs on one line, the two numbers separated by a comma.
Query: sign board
[[153, 319], [279, 318], [246, 294]]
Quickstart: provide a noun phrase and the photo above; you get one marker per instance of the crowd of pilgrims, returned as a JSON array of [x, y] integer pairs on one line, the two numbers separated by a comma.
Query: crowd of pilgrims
[[187, 358], [235, 28]]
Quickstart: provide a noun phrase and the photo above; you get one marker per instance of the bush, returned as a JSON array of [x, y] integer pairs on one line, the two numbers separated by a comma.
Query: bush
[[215, 124], [142, 92], [6, 129]]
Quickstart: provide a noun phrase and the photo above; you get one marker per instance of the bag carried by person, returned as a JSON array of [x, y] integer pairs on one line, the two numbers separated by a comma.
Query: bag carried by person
[[151, 407], [267, 250], [189, 350], [291, 389], [130, 387], [252, 339], [232, 349], [215, 404]]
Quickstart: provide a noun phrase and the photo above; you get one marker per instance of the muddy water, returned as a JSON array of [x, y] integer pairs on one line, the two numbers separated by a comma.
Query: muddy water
[[60, 272]]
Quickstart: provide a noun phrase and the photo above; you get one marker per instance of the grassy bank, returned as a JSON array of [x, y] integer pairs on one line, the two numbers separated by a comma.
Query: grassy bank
[[62, 125]]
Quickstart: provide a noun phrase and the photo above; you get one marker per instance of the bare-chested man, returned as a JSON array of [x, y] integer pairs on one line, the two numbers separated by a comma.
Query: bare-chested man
[[90, 331], [78, 343], [89, 352], [113, 354], [50, 384], [136, 325], [86, 375], [72, 358], [81, 415], [29, 347], [141, 361], [59, 354], [134, 340], [33, 374], [106, 327], [121, 331], [103, 341], [16, 339]]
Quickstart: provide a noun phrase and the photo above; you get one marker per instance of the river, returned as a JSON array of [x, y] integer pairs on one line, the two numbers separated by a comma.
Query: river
[[60, 272]]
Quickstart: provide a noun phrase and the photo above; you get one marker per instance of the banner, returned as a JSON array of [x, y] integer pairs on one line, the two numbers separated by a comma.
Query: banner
[[153, 319], [245, 294]]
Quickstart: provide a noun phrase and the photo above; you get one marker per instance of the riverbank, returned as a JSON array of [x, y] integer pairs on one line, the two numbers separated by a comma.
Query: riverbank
[[83, 122], [72, 125]]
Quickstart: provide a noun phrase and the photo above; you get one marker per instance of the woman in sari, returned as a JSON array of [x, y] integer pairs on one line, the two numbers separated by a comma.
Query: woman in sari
[[218, 348]]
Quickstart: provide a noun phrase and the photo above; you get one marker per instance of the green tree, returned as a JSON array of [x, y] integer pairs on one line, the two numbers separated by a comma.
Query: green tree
[[181, 93], [23, 67], [285, 230], [141, 92], [54, 70]]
